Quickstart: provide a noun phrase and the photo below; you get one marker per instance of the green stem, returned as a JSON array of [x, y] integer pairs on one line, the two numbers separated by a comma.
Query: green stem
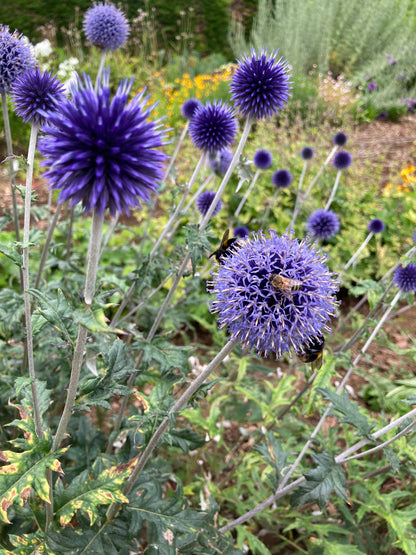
[[178, 146], [45, 249], [247, 193]]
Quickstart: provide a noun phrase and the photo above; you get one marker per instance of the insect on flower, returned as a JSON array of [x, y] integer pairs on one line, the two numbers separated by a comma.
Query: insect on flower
[[312, 354], [225, 246], [284, 285]]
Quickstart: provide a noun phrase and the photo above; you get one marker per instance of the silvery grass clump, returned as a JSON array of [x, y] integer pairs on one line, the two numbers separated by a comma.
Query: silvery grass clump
[[274, 294]]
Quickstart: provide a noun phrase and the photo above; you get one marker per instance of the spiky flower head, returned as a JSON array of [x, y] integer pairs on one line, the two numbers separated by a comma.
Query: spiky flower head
[[106, 26], [204, 201], [262, 159], [340, 138], [323, 224], [376, 225], [405, 277], [35, 94], [260, 85], [103, 152], [267, 318], [189, 106], [16, 57], [307, 153], [219, 162], [282, 179], [342, 160], [241, 231], [213, 127]]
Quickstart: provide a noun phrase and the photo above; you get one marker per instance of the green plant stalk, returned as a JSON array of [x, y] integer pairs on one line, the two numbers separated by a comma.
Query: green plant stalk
[[247, 193], [268, 208], [100, 70], [111, 229], [45, 249], [177, 148], [69, 232], [26, 283], [334, 190], [358, 251], [298, 193], [177, 407]]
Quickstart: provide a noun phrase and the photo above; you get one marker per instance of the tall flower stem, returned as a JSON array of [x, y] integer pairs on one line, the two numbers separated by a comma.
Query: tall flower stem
[[334, 190], [298, 195], [177, 407], [48, 239], [100, 70], [247, 193], [92, 265], [111, 228], [359, 251], [26, 283], [268, 208], [177, 148]]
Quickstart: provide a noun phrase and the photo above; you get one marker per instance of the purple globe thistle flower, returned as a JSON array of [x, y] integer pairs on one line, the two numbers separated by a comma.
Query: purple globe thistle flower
[[241, 231], [405, 277], [16, 57], [307, 153], [342, 160], [282, 178], [189, 107], [204, 201], [262, 159], [376, 225], [220, 161], [106, 26], [340, 139], [34, 94], [270, 318], [372, 86], [323, 224], [103, 152], [213, 127], [260, 85]]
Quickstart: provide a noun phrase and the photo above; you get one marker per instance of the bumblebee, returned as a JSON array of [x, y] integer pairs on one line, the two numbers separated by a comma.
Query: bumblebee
[[313, 353], [284, 285], [225, 246]]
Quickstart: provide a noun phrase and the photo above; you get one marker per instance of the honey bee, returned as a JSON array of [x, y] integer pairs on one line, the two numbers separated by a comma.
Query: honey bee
[[284, 285], [313, 353], [224, 248]]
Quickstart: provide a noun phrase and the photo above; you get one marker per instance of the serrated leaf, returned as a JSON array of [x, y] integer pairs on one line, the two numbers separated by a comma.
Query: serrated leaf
[[321, 482], [94, 319], [12, 252], [274, 455], [57, 311], [165, 356], [197, 243], [392, 458], [322, 379], [343, 404]]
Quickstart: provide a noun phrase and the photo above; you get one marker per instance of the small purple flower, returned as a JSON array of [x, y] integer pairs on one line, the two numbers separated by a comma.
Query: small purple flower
[[376, 226], [241, 231], [266, 318], [260, 85], [213, 127], [340, 139], [372, 86], [323, 224], [391, 60], [204, 201], [342, 160], [307, 153], [189, 107], [282, 178], [16, 57], [382, 115], [405, 277], [106, 26], [34, 94], [219, 162], [103, 152], [262, 159]]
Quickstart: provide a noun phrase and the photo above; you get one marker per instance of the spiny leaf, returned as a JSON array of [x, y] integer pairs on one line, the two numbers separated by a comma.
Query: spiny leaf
[[198, 244], [165, 356], [343, 404], [274, 456], [321, 482], [94, 319], [57, 311], [12, 252]]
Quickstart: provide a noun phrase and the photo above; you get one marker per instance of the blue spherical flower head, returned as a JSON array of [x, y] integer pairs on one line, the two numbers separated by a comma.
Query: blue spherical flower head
[[282, 178], [260, 85], [342, 160], [219, 162], [213, 127], [405, 278], [376, 225], [340, 139], [106, 26], [189, 107], [103, 152], [16, 57], [262, 159], [269, 318], [34, 94], [204, 201], [307, 153], [241, 231], [323, 224]]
